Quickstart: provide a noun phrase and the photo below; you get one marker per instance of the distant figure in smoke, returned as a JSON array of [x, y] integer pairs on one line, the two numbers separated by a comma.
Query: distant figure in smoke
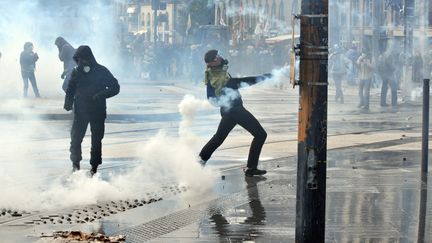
[[89, 87], [352, 55], [366, 73], [387, 72], [28, 60], [222, 90], [417, 68], [339, 65], [66, 53]]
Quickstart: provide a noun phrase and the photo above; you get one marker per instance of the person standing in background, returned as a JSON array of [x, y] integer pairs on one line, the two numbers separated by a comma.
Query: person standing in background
[[28, 60], [66, 53], [366, 73]]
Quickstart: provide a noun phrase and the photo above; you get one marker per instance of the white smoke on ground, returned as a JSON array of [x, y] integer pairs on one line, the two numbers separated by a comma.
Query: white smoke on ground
[[164, 160]]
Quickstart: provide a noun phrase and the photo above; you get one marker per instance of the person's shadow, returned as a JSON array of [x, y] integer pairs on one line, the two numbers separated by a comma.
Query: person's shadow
[[245, 230]]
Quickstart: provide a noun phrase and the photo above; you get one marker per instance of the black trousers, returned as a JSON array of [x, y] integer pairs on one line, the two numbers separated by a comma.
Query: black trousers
[[338, 84], [30, 76], [79, 128], [237, 115], [393, 87]]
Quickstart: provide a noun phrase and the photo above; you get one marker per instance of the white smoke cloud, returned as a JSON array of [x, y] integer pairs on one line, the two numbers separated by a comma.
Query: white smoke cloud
[[40, 22], [163, 160]]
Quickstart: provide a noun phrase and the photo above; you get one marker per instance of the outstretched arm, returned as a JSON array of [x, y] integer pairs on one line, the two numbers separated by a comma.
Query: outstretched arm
[[236, 83]]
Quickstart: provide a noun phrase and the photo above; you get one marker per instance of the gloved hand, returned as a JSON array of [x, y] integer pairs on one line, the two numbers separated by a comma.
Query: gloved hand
[[97, 96], [63, 75], [67, 107]]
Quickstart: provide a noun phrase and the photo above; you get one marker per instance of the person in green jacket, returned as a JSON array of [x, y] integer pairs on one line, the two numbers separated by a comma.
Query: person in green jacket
[[222, 91]]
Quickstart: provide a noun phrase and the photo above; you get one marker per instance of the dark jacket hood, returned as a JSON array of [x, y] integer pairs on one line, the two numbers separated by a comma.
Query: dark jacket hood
[[60, 42], [84, 52]]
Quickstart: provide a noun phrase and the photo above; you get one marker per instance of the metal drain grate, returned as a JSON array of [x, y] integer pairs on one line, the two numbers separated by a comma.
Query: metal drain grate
[[85, 214], [172, 222]]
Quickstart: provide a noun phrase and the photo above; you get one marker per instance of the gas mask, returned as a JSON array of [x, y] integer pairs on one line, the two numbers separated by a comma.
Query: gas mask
[[83, 66]]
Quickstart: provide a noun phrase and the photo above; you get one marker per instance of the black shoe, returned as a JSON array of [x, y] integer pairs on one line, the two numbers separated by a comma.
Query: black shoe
[[365, 109], [93, 170], [75, 167], [202, 162], [253, 172]]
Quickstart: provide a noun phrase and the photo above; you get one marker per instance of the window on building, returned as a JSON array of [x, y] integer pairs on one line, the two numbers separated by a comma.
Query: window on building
[[252, 15], [273, 11], [148, 27], [356, 13], [218, 15], [281, 10], [167, 26], [266, 9], [144, 21], [368, 4], [430, 15]]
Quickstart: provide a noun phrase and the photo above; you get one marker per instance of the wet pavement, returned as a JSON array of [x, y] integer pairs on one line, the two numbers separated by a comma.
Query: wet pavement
[[372, 196], [374, 189]]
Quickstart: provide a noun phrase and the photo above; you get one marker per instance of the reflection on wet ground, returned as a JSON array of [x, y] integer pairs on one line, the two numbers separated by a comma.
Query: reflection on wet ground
[[246, 227], [372, 196]]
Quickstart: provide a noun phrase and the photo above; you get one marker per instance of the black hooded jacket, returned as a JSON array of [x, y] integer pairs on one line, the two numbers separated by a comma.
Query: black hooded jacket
[[90, 86]]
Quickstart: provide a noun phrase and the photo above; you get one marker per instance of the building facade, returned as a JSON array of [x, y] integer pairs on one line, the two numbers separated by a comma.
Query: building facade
[[372, 23], [255, 18], [140, 18]]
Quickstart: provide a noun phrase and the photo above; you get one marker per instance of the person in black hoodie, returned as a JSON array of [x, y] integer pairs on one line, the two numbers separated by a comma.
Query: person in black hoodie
[[28, 60], [89, 87], [66, 53], [222, 91]]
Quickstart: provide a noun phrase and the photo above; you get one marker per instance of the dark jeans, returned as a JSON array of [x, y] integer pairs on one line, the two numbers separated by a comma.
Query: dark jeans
[[237, 115], [364, 92], [338, 84], [393, 87], [30, 76], [79, 128]]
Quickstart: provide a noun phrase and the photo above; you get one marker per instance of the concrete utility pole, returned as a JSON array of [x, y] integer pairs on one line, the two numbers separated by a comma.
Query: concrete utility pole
[[312, 131]]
